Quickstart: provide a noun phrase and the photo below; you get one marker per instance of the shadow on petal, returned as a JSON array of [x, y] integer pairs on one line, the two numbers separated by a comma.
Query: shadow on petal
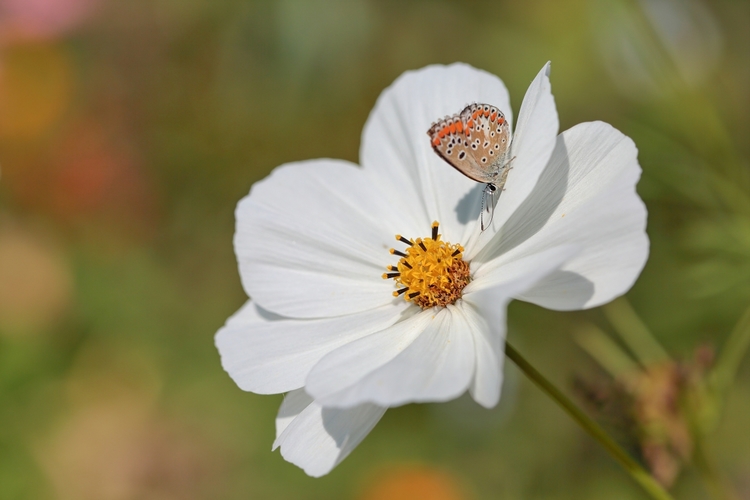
[[534, 212], [331, 418], [556, 290], [268, 315], [349, 426], [467, 208], [538, 207]]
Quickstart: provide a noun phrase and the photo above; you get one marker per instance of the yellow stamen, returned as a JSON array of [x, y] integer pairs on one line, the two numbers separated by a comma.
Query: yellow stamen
[[431, 272]]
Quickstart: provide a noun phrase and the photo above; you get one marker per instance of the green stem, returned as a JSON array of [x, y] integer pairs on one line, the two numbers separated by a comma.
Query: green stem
[[635, 470], [731, 357], [715, 484], [634, 332]]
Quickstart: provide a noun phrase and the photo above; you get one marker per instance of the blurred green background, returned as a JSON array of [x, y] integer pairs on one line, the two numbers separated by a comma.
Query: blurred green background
[[129, 129]]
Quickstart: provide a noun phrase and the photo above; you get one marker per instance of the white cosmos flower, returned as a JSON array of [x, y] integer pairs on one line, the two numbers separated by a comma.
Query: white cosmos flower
[[313, 240]]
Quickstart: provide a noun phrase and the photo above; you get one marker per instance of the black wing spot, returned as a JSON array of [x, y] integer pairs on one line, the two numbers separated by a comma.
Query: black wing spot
[[484, 159], [491, 152], [474, 146], [462, 155], [503, 140], [497, 146]]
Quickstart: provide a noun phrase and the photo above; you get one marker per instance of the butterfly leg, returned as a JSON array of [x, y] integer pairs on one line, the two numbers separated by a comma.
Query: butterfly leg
[[489, 190]]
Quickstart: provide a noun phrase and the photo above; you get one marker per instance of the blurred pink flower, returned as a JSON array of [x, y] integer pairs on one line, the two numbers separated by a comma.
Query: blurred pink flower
[[42, 18]]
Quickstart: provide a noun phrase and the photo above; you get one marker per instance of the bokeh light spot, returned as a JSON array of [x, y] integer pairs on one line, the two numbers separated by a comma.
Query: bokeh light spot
[[414, 482], [36, 83], [36, 286]]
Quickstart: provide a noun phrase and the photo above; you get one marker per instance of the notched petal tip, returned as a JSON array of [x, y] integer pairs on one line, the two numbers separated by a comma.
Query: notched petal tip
[[317, 439]]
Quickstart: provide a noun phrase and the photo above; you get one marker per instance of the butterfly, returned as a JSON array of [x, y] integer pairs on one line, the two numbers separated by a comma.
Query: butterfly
[[476, 142]]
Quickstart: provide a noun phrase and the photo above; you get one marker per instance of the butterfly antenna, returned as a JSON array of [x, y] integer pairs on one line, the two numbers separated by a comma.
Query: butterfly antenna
[[481, 211]]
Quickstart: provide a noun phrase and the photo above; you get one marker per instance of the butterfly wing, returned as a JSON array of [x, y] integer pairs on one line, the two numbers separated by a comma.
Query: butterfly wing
[[475, 142]]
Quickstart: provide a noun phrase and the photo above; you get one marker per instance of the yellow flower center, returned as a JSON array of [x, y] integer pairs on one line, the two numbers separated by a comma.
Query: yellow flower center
[[431, 272]]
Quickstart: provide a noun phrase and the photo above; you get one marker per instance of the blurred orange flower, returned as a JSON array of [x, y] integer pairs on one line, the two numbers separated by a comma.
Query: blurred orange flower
[[414, 482], [36, 85]]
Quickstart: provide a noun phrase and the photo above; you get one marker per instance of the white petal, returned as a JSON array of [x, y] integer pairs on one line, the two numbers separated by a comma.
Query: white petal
[[268, 354], [294, 403], [586, 197], [437, 366], [489, 338], [533, 142], [317, 439], [348, 364], [513, 274], [312, 241], [430, 356], [484, 305], [396, 151]]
